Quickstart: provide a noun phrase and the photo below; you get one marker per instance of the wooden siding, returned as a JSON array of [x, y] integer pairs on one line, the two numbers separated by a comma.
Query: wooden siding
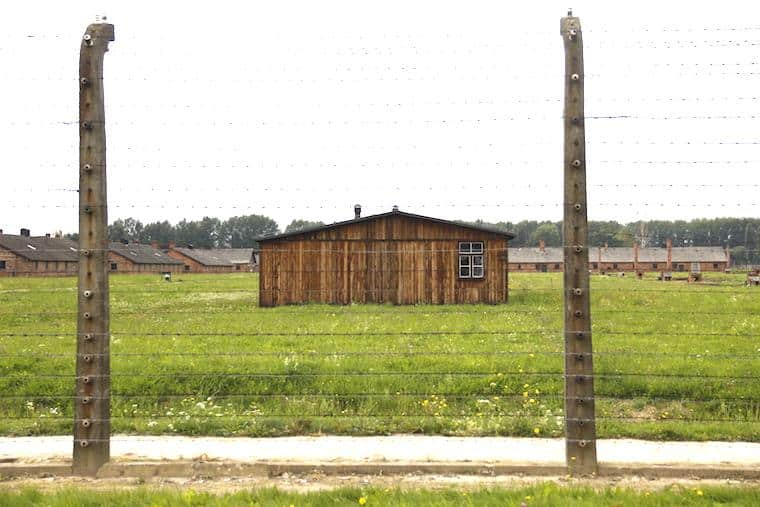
[[393, 259]]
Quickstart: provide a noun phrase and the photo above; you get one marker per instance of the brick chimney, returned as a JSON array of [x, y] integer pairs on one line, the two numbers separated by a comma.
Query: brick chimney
[[172, 245], [541, 245], [154, 244], [26, 233], [635, 255], [669, 246], [599, 258]]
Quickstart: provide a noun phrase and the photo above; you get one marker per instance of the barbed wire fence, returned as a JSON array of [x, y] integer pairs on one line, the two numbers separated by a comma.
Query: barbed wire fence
[[671, 361]]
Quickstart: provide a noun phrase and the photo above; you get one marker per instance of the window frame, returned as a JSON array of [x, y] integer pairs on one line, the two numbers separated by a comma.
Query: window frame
[[3, 265], [467, 254]]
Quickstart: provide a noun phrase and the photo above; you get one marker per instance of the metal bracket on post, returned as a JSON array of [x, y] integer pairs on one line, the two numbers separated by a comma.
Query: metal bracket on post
[[92, 427], [580, 423]]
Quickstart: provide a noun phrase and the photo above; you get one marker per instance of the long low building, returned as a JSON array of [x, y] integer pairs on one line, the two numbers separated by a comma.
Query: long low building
[[214, 260], [634, 259], [27, 255], [139, 258]]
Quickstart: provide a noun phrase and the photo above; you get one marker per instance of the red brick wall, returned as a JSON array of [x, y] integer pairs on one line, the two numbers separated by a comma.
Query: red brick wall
[[15, 265], [532, 267], [193, 266], [124, 265]]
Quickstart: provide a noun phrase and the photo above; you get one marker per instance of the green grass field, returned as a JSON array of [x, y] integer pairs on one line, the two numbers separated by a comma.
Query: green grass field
[[545, 495], [196, 356]]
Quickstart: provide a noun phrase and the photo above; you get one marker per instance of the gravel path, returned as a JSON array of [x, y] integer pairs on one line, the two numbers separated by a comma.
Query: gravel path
[[407, 448]]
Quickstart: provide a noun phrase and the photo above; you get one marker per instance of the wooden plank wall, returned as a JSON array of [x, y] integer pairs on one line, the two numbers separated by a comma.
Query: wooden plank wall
[[389, 260]]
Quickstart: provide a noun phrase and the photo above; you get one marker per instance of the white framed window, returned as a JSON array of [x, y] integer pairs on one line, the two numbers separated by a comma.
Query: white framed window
[[471, 259]]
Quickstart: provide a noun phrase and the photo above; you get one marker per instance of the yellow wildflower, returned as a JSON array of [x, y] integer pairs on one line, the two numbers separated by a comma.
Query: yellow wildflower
[[363, 500]]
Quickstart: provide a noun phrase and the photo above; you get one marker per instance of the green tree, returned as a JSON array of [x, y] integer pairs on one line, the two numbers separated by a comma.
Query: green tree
[[299, 225], [549, 233], [241, 232], [125, 229], [158, 231]]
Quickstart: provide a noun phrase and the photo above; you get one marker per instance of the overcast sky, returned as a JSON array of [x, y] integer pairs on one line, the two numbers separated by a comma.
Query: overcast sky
[[302, 109]]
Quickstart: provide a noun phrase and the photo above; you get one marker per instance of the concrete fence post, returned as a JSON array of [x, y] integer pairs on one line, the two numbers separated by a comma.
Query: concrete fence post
[[580, 424], [92, 427]]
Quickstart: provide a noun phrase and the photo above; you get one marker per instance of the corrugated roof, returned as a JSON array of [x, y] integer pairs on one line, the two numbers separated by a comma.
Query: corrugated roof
[[142, 254], [318, 228], [699, 254], [535, 255], [41, 248]]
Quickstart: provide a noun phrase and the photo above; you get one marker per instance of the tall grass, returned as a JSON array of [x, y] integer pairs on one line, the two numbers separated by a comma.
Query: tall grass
[[197, 356]]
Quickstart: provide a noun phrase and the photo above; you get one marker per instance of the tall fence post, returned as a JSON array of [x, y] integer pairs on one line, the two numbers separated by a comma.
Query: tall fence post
[[580, 424], [92, 426]]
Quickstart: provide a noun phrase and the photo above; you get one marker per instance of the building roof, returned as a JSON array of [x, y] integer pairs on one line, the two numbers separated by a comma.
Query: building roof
[[236, 255], [699, 254], [654, 254], [621, 254], [141, 254], [217, 256], [41, 248], [308, 230], [612, 254], [549, 255]]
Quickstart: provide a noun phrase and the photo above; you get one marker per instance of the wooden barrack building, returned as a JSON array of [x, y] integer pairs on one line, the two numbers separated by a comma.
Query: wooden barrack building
[[394, 257]]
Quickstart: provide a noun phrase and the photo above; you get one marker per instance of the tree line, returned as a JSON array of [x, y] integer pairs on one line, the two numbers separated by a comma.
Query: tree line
[[740, 235], [209, 232]]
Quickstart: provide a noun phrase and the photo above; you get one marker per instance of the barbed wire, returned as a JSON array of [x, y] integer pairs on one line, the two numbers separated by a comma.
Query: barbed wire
[[360, 374], [747, 356], [465, 205], [159, 398]]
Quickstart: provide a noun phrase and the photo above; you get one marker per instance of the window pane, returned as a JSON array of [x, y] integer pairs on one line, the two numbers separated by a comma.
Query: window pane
[[477, 260], [477, 247], [464, 260], [464, 247], [464, 272], [477, 272]]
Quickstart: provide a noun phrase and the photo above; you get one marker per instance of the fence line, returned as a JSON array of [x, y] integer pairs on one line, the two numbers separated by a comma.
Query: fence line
[[679, 366]]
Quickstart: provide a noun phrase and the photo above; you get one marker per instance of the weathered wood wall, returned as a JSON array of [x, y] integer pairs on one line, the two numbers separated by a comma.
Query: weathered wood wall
[[392, 259]]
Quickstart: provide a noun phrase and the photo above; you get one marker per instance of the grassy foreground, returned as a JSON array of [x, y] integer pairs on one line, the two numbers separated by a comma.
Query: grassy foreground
[[198, 357], [541, 495]]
